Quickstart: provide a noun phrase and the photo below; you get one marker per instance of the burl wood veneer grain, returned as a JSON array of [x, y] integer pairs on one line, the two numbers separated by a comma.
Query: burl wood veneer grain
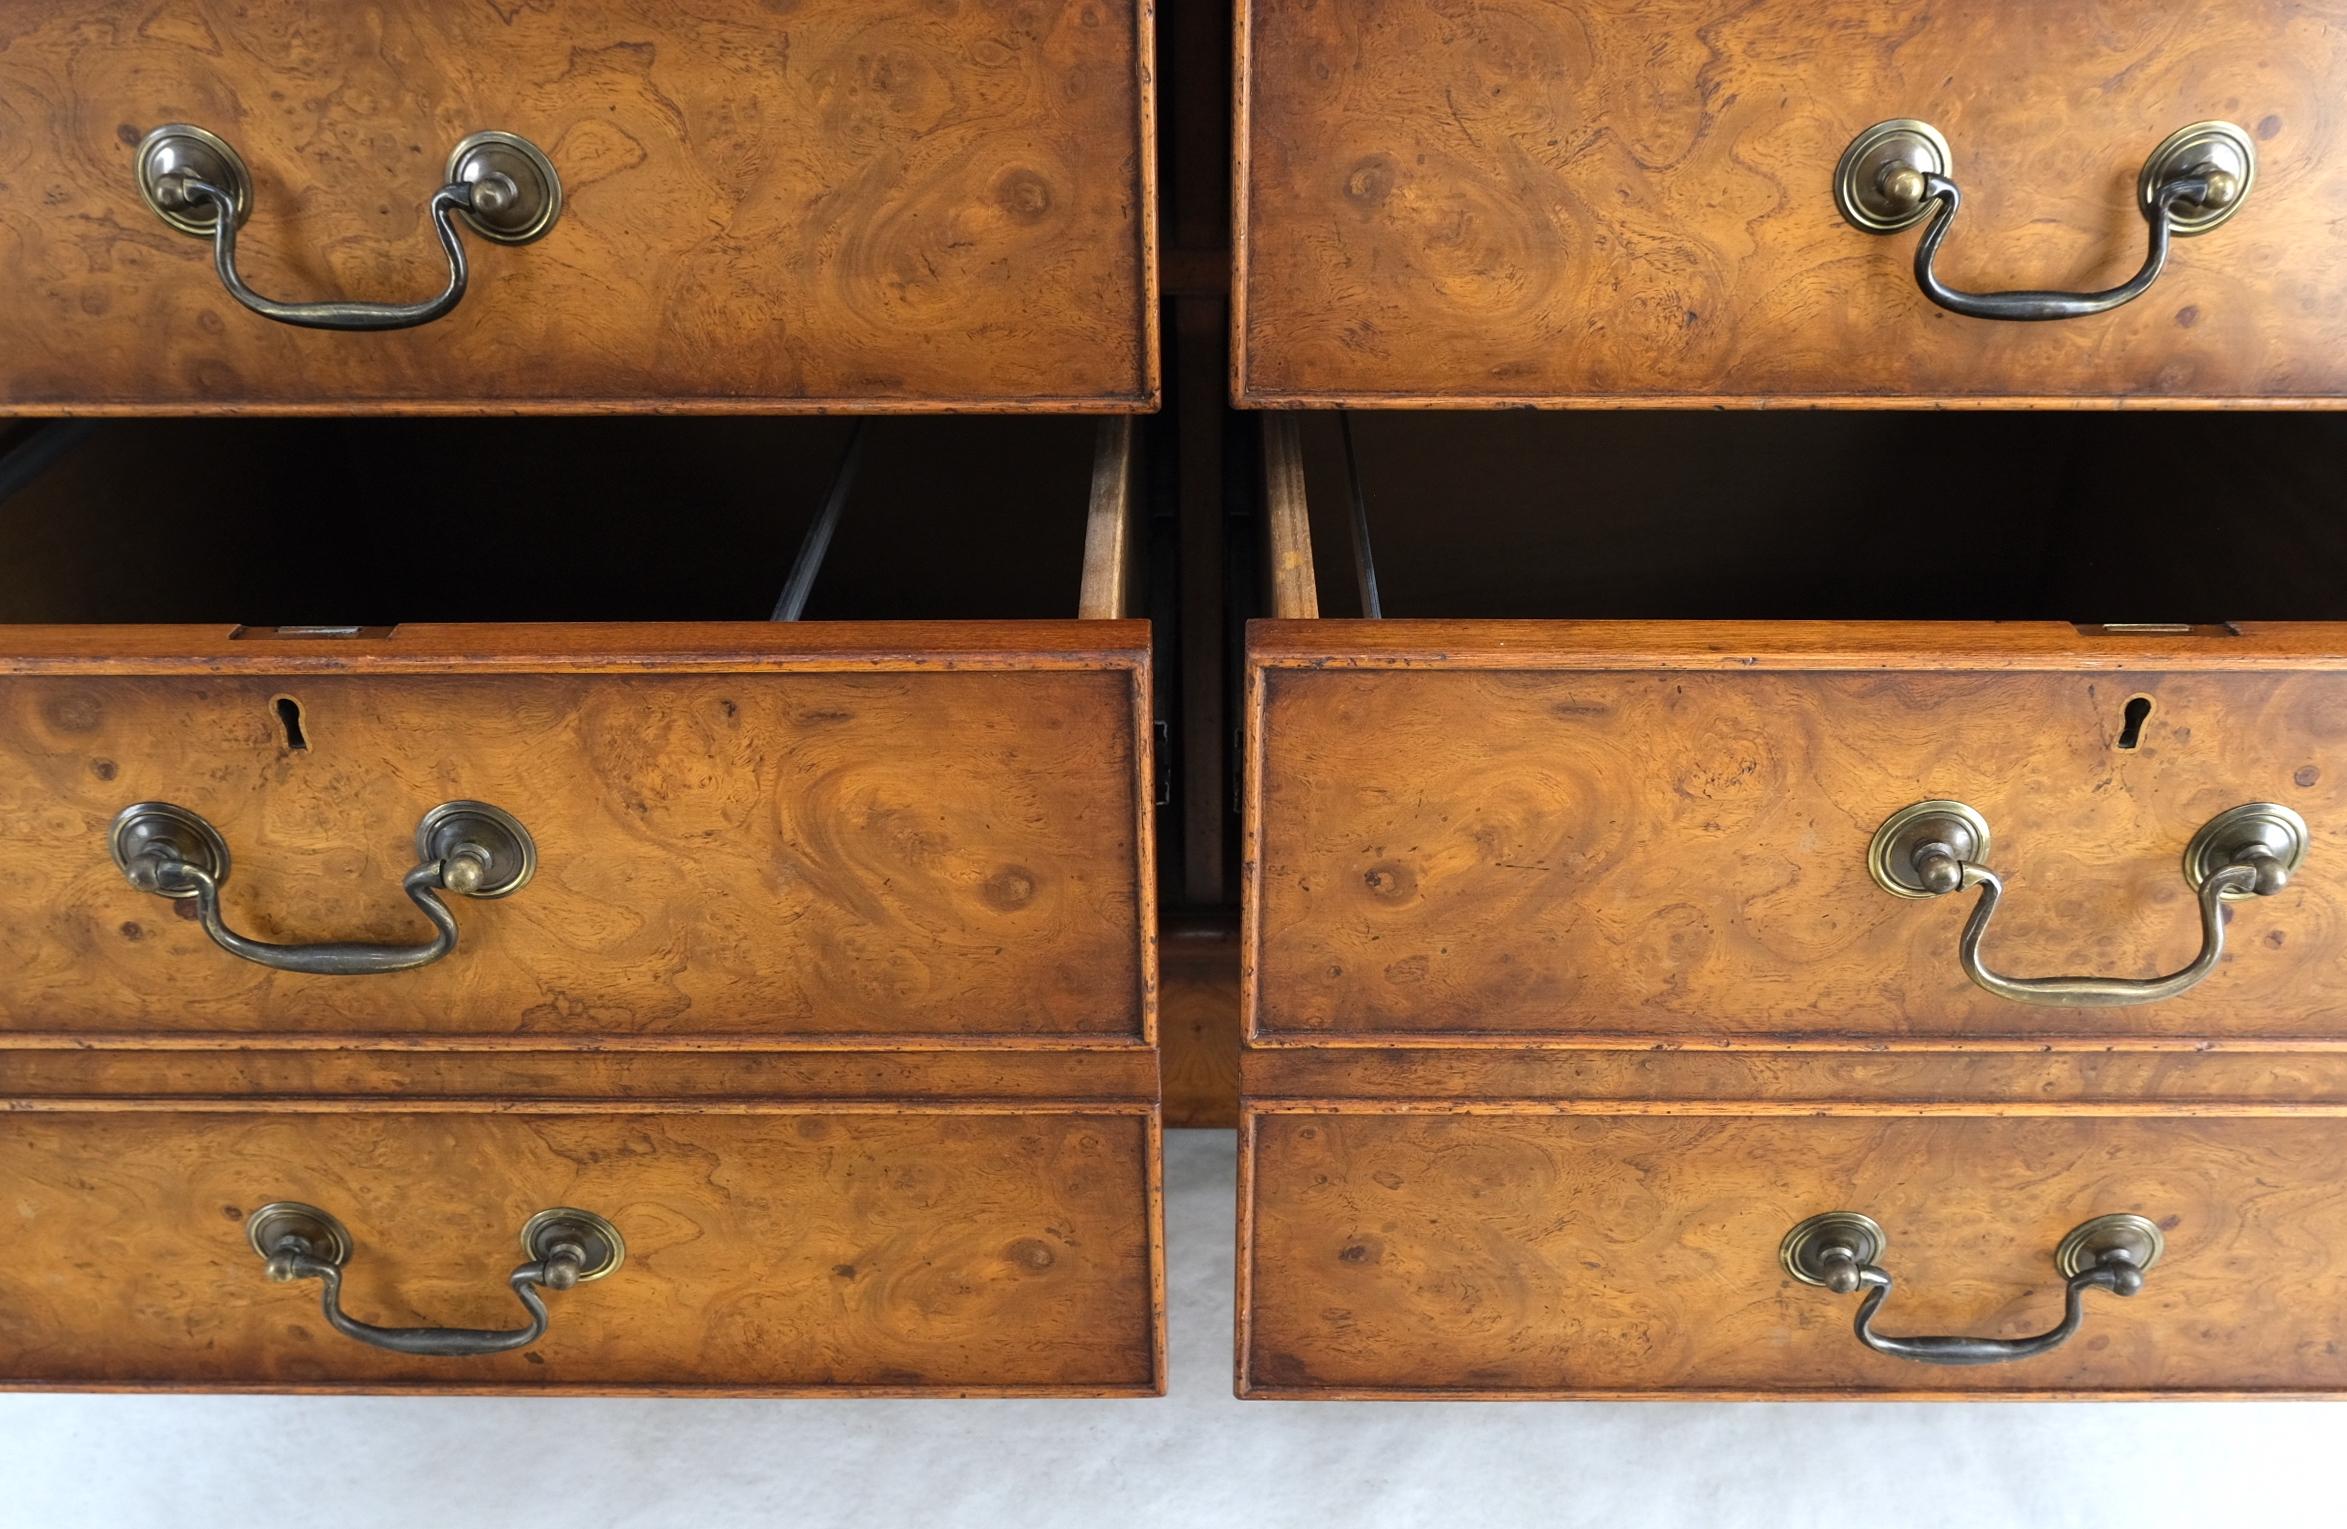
[[1198, 1021], [1660, 830], [825, 838], [878, 203], [1559, 1254], [1631, 201], [895, 1249]]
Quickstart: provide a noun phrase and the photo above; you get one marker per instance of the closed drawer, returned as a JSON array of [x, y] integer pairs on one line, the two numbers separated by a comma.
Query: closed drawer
[[767, 1248], [1603, 201], [892, 205], [739, 830], [1467, 830], [1559, 1249]]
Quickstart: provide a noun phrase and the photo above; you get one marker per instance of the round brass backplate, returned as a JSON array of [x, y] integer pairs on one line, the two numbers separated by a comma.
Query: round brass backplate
[[513, 854], [177, 149], [596, 1238], [1890, 859], [2084, 1247], [2224, 836], [537, 189], [1858, 178], [269, 1227], [193, 841], [1803, 1247], [2221, 144]]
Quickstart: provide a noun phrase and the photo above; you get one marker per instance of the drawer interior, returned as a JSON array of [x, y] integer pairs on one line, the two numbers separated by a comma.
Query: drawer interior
[[375, 522], [1904, 516]]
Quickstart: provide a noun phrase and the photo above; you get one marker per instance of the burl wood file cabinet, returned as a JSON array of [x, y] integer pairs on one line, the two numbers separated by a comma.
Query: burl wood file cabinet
[[552, 975], [1790, 830], [1753, 904]]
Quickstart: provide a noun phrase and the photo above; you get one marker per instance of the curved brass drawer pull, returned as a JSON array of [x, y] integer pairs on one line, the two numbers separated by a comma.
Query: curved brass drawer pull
[[1934, 848], [469, 848], [1838, 1250], [1895, 173], [565, 1247], [504, 188]]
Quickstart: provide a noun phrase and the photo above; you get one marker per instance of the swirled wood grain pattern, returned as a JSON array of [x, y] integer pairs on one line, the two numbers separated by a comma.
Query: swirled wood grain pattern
[[868, 203], [1538, 840], [1620, 201], [767, 1250], [1538, 1254], [899, 848]]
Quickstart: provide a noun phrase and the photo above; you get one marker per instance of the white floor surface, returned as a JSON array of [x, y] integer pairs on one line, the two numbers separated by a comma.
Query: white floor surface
[[1196, 1458]]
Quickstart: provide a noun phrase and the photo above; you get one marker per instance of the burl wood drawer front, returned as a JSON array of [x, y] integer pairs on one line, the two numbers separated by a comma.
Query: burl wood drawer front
[[1554, 202], [1663, 831], [882, 203], [1603, 1250], [758, 832], [893, 1248]]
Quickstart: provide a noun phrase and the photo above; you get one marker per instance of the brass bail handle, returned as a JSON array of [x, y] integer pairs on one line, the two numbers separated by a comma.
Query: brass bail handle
[[563, 1247], [469, 848], [502, 186], [1841, 1251], [1934, 848], [1897, 173]]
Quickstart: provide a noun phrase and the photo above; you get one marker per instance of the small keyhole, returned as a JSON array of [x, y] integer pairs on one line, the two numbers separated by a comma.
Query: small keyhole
[[289, 717], [2131, 727]]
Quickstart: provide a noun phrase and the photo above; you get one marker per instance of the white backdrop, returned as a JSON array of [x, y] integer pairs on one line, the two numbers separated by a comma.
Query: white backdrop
[[1197, 1458]]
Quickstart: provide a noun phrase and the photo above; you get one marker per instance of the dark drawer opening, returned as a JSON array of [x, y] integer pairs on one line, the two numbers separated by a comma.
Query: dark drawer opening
[[2154, 518], [376, 522]]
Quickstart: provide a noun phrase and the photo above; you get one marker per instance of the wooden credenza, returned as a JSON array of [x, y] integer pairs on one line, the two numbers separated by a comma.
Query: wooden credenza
[[1791, 832]]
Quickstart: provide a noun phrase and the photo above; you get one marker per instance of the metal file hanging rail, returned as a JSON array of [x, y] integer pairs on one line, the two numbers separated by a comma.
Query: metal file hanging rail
[[808, 564]]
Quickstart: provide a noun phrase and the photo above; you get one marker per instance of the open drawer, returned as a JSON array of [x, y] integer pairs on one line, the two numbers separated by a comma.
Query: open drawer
[[1724, 729], [477, 806]]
